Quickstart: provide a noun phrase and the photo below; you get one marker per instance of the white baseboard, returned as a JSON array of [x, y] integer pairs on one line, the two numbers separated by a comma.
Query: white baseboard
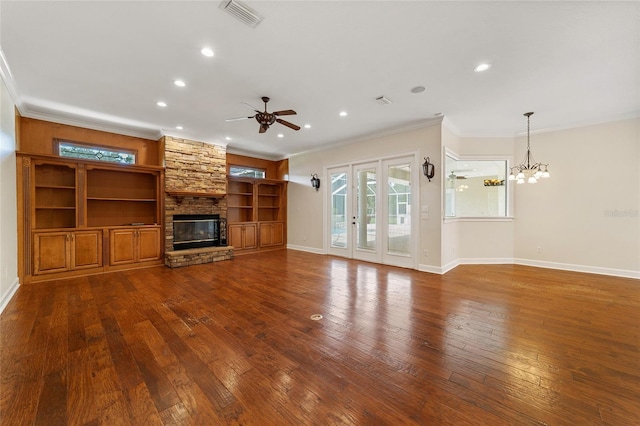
[[432, 269], [486, 261], [314, 250], [441, 270], [6, 298], [579, 268], [542, 264]]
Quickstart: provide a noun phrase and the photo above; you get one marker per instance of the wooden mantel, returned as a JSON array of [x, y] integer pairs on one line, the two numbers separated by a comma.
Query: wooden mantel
[[180, 195]]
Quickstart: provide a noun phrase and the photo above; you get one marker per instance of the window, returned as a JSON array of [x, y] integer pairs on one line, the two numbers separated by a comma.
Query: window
[[247, 172], [97, 153], [475, 188]]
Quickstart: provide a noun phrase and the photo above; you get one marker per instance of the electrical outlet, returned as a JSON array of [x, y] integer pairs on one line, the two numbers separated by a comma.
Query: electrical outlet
[[426, 253], [539, 250]]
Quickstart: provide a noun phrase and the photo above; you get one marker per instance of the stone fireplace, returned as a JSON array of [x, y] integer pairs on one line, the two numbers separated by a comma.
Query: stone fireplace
[[195, 184]]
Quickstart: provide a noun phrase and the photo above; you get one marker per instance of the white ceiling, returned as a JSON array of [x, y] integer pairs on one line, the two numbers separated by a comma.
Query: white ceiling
[[106, 64]]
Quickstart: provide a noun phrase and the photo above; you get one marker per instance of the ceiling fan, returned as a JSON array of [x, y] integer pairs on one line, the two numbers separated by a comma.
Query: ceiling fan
[[266, 119], [454, 176]]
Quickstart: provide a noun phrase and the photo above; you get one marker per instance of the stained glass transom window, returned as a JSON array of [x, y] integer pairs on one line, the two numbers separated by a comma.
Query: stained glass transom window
[[247, 172], [97, 153]]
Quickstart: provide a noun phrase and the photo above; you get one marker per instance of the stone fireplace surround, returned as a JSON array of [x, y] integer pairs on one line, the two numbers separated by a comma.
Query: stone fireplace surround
[[193, 167]]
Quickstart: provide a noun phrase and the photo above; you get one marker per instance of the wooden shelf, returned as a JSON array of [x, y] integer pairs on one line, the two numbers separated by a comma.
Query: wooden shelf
[[260, 202], [54, 195], [180, 195], [195, 194], [56, 186], [122, 199], [55, 208]]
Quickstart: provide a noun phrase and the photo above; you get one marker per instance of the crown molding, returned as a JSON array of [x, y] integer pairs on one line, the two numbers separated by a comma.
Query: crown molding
[[255, 154], [10, 83], [92, 123], [407, 127]]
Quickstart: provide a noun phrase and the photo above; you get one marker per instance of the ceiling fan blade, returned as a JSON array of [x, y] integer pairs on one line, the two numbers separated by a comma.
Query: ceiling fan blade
[[238, 118], [286, 123], [251, 106], [285, 112], [263, 128]]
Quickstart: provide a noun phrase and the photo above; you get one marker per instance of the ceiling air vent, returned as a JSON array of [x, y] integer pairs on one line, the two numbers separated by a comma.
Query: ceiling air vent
[[242, 12]]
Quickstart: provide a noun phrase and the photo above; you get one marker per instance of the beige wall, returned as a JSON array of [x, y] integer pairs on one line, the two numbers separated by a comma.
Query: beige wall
[[486, 241], [587, 215], [306, 206], [8, 205]]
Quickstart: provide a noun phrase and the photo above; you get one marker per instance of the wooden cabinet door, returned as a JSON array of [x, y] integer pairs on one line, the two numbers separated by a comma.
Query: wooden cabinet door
[[271, 234], [266, 234], [278, 233], [122, 244], [235, 236], [243, 236], [86, 249], [250, 233], [148, 244], [51, 252]]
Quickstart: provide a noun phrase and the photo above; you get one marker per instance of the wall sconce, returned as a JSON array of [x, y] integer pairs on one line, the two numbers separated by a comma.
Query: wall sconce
[[315, 181], [428, 169]]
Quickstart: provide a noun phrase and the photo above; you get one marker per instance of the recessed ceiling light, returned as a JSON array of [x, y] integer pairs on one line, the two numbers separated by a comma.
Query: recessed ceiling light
[[179, 83], [228, 138], [280, 135], [179, 127], [207, 52], [482, 67], [343, 113], [307, 126], [418, 89], [161, 104]]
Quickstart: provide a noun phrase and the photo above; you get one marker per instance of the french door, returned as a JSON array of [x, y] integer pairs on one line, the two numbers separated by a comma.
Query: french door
[[371, 206]]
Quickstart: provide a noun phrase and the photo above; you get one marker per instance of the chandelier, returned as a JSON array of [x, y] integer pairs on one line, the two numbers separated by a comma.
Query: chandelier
[[529, 169]]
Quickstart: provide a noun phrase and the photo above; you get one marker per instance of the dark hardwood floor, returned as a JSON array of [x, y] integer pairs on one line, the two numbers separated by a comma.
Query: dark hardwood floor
[[233, 343]]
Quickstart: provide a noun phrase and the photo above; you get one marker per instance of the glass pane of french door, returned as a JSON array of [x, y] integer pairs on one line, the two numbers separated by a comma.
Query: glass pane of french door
[[366, 193], [338, 213], [399, 209]]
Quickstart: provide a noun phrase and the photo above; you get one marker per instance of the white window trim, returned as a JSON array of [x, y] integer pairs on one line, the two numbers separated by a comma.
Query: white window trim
[[509, 216]]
